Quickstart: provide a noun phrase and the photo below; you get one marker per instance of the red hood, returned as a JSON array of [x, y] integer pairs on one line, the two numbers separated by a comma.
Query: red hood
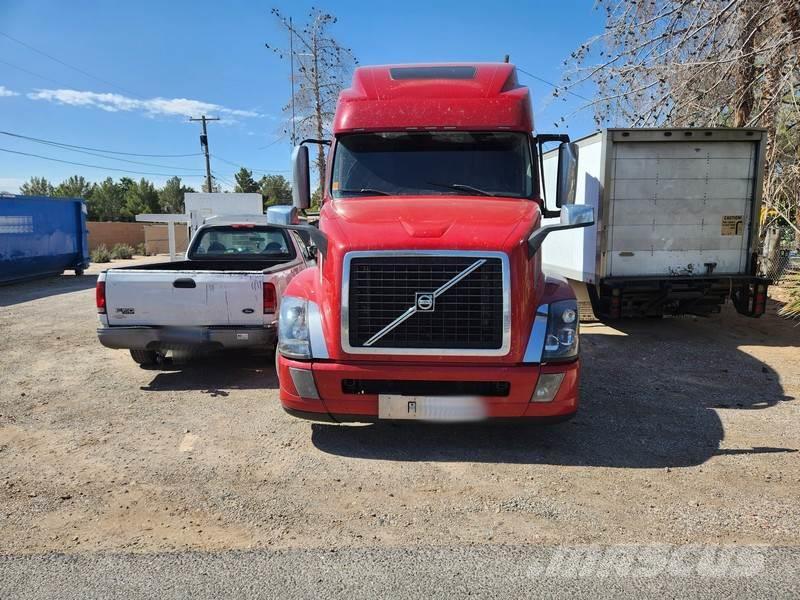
[[433, 223], [425, 222]]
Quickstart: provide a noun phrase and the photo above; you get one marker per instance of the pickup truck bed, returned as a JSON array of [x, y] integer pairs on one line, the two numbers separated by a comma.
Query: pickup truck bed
[[204, 302], [210, 265]]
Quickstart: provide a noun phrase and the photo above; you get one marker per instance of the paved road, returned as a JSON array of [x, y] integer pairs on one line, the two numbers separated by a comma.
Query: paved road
[[477, 571]]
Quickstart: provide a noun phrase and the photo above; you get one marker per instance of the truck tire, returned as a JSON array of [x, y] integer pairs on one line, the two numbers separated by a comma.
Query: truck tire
[[78, 272], [144, 357]]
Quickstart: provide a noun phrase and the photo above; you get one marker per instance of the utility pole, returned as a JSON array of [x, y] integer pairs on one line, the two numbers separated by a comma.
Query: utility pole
[[204, 144], [291, 59]]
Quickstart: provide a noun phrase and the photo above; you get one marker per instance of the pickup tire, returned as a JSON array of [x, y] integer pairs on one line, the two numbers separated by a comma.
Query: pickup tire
[[144, 357]]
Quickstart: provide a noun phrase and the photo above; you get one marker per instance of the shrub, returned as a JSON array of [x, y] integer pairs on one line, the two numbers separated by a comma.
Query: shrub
[[792, 307], [140, 249], [122, 251], [101, 254]]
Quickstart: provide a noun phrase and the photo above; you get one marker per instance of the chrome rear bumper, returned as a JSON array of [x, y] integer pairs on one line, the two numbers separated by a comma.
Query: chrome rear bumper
[[181, 338]]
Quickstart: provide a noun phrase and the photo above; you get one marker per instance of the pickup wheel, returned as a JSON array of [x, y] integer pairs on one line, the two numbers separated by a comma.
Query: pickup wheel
[[144, 357]]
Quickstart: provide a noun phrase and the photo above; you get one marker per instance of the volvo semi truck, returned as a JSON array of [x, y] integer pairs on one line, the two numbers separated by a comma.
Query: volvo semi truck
[[428, 300]]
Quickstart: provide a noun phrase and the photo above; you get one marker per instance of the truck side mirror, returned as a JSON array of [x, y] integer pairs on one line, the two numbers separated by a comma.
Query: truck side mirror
[[567, 181], [301, 184], [572, 216]]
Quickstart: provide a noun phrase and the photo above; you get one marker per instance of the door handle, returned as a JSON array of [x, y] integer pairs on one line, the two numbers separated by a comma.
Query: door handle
[[184, 282]]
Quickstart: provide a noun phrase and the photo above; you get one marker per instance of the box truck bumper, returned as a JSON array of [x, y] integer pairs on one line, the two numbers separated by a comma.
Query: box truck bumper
[[161, 339], [368, 392], [698, 295]]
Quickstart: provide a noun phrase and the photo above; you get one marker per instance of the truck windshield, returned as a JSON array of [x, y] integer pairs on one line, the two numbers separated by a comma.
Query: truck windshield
[[244, 241], [426, 163]]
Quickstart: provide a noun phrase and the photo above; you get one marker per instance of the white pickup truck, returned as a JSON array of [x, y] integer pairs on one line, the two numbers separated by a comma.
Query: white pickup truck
[[225, 294]]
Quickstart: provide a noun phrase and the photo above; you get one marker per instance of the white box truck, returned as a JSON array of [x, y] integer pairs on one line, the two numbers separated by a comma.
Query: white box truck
[[677, 213]]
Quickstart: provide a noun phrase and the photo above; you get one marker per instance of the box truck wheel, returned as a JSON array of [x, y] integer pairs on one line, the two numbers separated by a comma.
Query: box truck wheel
[[144, 357]]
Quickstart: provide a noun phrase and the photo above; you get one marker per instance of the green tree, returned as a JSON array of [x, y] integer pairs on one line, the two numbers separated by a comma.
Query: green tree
[[74, 187], [37, 186], [316, 199], [106, 201], [125, 184], [275, 189], [171, 196], [245, 182], [140, 197], [215, 187]]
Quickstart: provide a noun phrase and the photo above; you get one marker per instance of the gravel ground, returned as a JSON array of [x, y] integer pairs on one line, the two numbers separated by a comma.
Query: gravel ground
[[687, 433], [460, 572]]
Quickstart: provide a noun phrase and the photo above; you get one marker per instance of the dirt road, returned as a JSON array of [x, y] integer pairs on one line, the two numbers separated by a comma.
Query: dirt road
[[688, 433]]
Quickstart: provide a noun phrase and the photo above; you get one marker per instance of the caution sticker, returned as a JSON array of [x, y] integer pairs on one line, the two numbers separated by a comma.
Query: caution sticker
[[732, 225]]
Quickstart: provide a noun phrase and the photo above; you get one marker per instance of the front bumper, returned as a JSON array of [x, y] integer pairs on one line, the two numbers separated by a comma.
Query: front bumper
[[334, 404], [182, 338]]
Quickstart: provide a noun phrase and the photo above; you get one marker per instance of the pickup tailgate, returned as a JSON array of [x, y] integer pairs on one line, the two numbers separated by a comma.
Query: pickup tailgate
[[184, 298]]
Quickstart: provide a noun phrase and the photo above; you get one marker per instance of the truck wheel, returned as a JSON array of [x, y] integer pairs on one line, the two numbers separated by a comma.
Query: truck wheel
[[144, 357], [78, 272]]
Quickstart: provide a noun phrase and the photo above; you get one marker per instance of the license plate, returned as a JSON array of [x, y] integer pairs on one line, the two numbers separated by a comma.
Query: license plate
[[431, 408]]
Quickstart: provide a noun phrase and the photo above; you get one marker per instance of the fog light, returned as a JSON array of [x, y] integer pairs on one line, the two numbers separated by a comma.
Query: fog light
[[304, 383], [547, 387]]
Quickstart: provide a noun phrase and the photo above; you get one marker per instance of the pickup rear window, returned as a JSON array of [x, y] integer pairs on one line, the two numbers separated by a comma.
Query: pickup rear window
[[241, 243]]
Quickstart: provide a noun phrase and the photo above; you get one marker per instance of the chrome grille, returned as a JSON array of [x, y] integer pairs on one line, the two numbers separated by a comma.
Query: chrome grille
[[469, 315]]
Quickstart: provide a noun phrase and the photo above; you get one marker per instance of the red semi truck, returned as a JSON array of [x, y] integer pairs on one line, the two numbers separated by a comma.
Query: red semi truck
[[428, 301]]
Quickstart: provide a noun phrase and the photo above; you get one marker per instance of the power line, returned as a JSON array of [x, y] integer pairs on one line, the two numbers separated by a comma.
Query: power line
[[24, 70], [226, 161], [273, 142], [125, 160], [26, 137], [79, 164], [74, 68], [223, 180], [551, 84], [265, 171]]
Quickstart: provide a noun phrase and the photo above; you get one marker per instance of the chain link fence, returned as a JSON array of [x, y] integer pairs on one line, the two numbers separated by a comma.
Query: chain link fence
[[778, 257], [779, 261]]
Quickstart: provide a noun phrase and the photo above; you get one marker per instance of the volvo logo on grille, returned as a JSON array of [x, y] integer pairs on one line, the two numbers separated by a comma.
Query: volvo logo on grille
[[425, 301]]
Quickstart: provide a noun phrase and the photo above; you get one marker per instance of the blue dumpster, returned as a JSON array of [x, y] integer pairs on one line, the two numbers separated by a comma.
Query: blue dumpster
[[42, 236]]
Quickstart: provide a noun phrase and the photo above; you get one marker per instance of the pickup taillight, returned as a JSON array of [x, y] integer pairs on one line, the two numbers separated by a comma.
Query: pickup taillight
[[270, 298], [100, 296]]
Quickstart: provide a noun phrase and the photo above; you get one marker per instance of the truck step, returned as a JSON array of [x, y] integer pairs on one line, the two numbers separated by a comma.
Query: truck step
[[586, 312]]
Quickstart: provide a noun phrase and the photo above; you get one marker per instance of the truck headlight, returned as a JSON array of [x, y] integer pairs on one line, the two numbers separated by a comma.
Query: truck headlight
[[293, 340], [561, 341]]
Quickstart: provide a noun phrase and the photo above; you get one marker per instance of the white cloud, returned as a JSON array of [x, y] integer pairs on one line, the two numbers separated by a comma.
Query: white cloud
[[183, 107], [11, 184], [5, 92]]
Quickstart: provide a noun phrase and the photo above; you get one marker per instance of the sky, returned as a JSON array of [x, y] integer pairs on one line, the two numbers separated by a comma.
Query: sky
[[125, 76]]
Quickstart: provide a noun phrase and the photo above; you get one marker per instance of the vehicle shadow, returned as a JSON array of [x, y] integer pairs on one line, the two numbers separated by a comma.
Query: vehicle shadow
[[215, 373], [34, 289], [650, 394]]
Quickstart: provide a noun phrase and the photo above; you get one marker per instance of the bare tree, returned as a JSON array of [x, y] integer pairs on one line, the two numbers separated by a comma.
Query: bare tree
[[322, 68], [702, 63]]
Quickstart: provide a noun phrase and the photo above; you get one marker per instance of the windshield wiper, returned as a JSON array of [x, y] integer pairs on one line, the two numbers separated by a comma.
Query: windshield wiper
[[463, 187], [365, 191]]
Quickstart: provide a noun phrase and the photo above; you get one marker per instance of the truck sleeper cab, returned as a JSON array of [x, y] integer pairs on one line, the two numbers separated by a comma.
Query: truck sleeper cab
[[428, 301]]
